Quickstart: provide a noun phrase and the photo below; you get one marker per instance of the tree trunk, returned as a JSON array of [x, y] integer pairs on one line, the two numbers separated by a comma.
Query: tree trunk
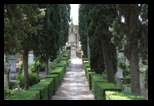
[[108, 64], [134, 71], [133, 41], [25, 63], [46, 66]]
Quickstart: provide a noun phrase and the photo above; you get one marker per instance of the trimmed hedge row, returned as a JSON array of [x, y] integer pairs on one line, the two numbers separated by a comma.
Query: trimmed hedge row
[[56, 80], [42, 87], [47, 86], [100, 87], [25, 95], [112, 95], [58, 70]]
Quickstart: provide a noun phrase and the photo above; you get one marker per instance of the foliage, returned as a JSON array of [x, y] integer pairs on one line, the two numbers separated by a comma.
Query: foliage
[[33, 79], [100, 87], [36, 66], [56, 80], [53, 65], [13, 84], [25, 95], [94, 25], [50, 81], [7, 92], [131, 35], [68, 48], [112, 95]]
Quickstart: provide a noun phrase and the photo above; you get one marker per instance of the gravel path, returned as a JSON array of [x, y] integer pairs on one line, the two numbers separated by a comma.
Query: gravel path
[[74, 85]]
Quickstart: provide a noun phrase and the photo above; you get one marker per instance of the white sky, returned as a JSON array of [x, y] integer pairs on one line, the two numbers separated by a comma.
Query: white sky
[[74, 13]]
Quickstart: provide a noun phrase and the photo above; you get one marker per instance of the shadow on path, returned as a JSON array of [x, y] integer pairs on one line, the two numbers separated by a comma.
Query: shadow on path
[[74, 85]]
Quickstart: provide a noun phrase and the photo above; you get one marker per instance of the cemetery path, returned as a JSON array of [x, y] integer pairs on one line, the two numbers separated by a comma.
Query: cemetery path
[[74, 85]]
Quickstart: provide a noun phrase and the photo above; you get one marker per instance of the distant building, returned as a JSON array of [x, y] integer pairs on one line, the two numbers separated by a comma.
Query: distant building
[[74, 36]]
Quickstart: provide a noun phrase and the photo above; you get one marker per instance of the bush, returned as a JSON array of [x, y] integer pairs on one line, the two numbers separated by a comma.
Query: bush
[[25, 95], [37, 66], [53, 65], [13, 84], [7, 92], [100, 87], [112, 95], [95, 77], [50, 82], [68, 48], [57, 60], [56, 80], [33, 79], [42, 88], [126, 80], [58, 70]]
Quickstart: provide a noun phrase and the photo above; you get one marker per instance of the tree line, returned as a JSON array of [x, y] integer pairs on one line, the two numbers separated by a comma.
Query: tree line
[[105, 27], [43, 28]]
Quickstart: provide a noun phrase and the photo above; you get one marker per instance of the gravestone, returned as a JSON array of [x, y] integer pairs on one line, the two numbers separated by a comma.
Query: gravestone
[[6, 74], [12, 61], [118, 76], [30, 57], [127, 89], [142, 82]]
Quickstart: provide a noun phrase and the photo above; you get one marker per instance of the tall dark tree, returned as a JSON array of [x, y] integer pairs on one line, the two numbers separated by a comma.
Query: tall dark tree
[[133, 35], [19, 30], [98, 18]]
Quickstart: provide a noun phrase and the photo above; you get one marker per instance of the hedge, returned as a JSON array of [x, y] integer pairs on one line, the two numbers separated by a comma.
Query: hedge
[[43, 89], [50, 82], [56, 80], [112, 95], [100, 87], [63, 63], [25, 95], [58, 70], [96, 77]]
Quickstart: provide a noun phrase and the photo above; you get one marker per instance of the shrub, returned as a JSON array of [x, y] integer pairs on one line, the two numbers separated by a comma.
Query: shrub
[[50, 82], [7, 92], [37, 66], [33, 79], [13, 84], [42, 88], [126, 80], [53, 65], [57, 60], [68, 48], [112, 95], [60, 71], [56, 80], [25, 95], [100, 87]]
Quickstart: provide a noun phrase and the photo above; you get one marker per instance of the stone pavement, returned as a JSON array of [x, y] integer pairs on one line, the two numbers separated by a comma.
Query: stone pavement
[[74, 85]]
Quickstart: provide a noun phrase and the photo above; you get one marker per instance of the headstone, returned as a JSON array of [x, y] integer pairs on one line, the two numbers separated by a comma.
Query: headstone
[[127, 89], [12, 61], [119, 82], [6, 74], [118, 76], [30, 57], [119, 73], [142, 82]]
